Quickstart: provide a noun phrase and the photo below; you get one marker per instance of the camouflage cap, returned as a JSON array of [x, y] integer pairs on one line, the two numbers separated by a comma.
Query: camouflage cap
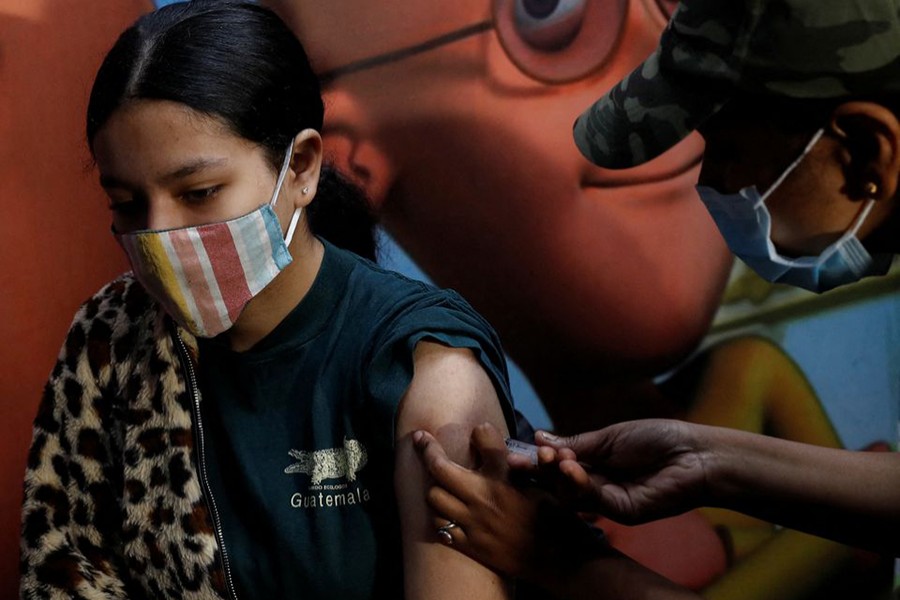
[[715, 50]]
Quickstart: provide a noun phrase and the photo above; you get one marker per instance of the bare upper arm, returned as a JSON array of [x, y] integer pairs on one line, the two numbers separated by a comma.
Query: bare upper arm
[[450, 393]]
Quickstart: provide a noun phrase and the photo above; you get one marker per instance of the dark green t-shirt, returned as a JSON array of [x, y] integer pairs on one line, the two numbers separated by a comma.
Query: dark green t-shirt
[[299, 430]]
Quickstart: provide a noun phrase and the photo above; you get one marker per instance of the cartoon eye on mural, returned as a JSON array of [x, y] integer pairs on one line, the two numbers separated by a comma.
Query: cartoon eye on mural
[[553, 42]]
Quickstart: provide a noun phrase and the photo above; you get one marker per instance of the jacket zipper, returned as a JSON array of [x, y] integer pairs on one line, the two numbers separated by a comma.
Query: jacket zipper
[[201, 463]]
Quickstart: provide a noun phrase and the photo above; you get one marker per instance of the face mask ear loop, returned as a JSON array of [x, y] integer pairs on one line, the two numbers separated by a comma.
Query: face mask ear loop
[[851, 231], [290, 232], [860, 218], [815, 138], [295, 218], [285, 165]]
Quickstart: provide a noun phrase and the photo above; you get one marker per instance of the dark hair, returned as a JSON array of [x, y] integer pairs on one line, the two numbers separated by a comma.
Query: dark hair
[[239, 63]]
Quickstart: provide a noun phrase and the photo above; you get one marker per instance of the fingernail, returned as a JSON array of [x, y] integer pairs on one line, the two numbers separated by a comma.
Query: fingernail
[[549, 437], [417, 436]]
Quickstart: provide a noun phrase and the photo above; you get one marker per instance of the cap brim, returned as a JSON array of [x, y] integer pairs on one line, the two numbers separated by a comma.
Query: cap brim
[[647, 113]]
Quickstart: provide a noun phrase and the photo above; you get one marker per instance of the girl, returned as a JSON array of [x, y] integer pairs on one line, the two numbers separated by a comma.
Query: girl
[[232, 419]]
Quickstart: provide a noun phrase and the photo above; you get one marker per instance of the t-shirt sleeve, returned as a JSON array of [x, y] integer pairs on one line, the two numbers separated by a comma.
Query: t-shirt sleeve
[[444, 318]]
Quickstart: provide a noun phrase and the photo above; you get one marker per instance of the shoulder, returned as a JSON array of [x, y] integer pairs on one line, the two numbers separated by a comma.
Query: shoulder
[[121, 298], [399, 298], [366, 273], [110, 324], [369, 279], [103, 332], [393, 305]]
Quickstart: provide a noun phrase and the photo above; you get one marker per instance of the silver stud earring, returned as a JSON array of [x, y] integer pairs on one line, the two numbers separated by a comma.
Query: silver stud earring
[[305, 190], [871, 188]]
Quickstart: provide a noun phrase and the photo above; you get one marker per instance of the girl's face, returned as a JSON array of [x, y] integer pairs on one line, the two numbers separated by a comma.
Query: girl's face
[[165, 166]]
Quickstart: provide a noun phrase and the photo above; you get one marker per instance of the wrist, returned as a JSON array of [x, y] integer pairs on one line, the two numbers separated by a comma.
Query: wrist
[[739, 465], [720, 456]]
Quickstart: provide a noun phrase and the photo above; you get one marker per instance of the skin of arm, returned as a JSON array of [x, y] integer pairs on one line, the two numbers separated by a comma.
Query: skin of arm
[[852, 497], [524, 532], [641, 470], [614, 576], [450, 393]]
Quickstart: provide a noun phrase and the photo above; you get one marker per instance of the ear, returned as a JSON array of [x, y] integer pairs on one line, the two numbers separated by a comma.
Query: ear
[[870, 137], [306, 165]]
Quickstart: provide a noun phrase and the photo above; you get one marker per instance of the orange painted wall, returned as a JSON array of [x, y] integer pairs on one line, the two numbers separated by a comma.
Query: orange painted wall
[[55, 247]]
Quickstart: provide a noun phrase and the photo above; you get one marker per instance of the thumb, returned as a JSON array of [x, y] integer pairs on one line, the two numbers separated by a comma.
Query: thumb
[[577, 443], [488, 442], [585, 446]]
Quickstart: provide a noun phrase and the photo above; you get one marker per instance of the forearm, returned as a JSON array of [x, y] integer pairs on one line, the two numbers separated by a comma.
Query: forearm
[[612, 575], [579, 564], [853, 497]]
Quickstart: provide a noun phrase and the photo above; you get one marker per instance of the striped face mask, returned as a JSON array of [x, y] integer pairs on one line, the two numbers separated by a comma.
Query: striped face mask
[[204, 276]]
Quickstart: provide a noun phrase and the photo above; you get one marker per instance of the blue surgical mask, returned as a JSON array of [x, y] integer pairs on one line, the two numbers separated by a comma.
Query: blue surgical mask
[[746, 225]]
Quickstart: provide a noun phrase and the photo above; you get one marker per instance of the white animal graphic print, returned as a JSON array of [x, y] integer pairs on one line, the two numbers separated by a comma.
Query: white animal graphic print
[[330, 463]]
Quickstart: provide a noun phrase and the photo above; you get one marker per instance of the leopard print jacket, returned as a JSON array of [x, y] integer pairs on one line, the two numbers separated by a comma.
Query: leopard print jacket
[[113, 504]]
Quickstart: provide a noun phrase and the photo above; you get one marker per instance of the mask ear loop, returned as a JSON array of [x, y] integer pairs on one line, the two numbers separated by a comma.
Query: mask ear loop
[[295, 218], [815, 138], [841, 242], [290, 232], [854, 228]]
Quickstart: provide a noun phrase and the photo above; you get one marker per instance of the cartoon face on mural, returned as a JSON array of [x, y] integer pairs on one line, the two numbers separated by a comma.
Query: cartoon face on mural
[[457, 118]]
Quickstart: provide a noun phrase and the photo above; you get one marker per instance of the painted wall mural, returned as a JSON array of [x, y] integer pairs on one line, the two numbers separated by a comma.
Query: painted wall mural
[[613, 292], [55, 247]]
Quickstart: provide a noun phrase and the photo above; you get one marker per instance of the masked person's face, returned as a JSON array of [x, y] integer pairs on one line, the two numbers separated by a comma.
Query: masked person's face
[[466, 145], [749, 144], [196, 210]]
